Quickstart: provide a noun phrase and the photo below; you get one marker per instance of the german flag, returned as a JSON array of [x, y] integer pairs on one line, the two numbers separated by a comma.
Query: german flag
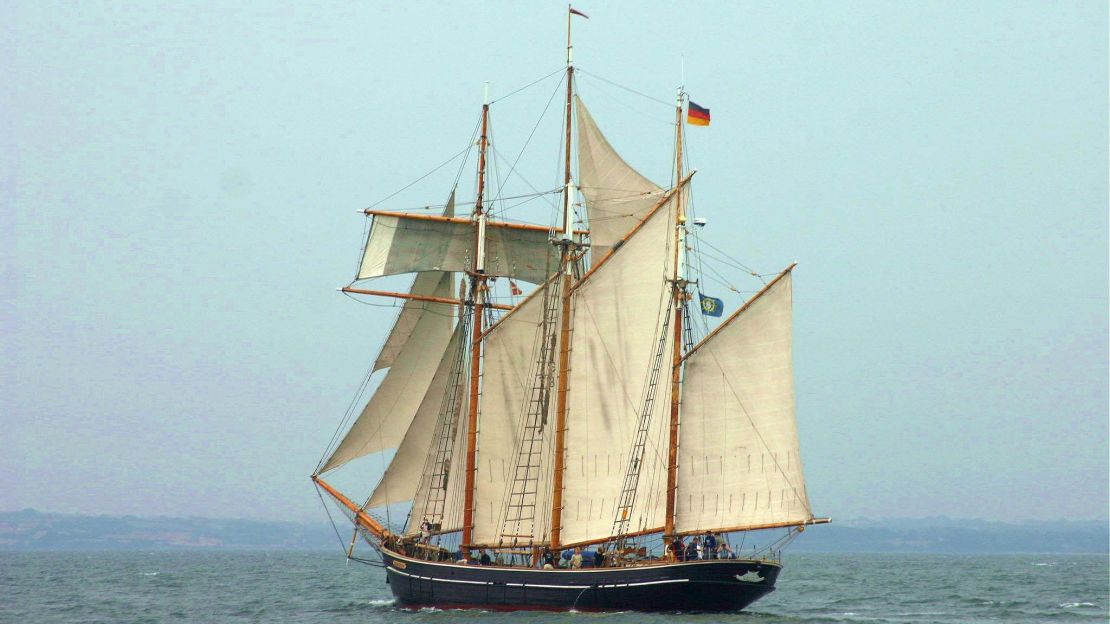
[[696, 115]]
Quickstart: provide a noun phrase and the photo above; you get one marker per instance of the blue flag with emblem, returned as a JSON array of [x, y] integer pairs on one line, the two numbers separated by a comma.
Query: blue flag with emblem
[[711, 306]]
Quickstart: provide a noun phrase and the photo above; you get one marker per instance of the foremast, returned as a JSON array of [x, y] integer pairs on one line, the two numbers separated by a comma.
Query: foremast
[[475, 304]]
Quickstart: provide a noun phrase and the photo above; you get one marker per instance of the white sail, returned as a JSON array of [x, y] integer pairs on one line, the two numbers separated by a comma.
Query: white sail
[[438, 494], [402, 478], [511, 354], [619, 313], [617, 196], [739, 461], [400, 243], [387, 415], [425, 283]]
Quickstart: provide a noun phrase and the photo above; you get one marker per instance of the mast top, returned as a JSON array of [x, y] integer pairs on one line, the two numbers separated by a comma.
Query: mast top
[[571, 11]]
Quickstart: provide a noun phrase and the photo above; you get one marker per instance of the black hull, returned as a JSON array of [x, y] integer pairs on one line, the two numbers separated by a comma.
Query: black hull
[[714, 585]]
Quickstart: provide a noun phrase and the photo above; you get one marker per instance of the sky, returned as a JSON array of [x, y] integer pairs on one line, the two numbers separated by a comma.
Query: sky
[[180, 186]]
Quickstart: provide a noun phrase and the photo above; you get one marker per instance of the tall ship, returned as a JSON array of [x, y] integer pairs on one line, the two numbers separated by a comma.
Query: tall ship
[[592, 444]]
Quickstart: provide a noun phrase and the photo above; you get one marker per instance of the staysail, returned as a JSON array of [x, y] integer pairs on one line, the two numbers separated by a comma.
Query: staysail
[[739, 459], [617, 196], [402, 478], [387, 415]]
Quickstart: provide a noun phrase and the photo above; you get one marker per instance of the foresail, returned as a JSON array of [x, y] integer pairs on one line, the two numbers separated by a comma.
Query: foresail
[[739, 461], [387, 415], [617, 196], [426, 283], [402, 479], [402, 243], [511, 349], [619, 314]]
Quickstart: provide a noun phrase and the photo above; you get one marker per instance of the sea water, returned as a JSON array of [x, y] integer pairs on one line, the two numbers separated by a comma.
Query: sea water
[[308, 587]]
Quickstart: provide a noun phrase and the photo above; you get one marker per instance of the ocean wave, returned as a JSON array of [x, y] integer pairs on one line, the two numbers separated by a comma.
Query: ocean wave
[[1076, 605]]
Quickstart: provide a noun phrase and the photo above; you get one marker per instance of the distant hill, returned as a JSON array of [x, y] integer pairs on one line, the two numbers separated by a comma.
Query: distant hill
[[33, 530], [944, 535], [30, 530]]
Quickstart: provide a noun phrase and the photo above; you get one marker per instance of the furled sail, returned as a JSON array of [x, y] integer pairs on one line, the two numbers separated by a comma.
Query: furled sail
[[739, 461], [619, 311], [402, 243], [402, 478], [617, 196], [387, 415], [511, 354]]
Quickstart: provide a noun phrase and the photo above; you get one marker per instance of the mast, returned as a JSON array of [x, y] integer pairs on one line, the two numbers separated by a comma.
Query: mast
[[477, 294], [566, 244], [678, 297]]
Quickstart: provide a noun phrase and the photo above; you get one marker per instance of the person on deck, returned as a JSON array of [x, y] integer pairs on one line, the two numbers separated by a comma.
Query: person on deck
[[576, 558], [548, 559], [691, 551], [724, 551], [678, 550], [699, 547], [710, 545], [425, 531], [483, 557]]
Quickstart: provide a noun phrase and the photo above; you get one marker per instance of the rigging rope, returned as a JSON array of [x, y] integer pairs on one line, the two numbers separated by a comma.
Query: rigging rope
[[629, 89], [534, 82], [437, 168], [512, 169]]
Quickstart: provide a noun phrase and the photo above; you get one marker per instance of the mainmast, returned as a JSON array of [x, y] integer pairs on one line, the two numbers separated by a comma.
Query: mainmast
[[476, 303], [566, 259], [678, 299]]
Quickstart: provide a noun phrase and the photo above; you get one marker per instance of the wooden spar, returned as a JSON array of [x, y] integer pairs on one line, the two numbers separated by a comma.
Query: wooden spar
[[678, 297], [564, 321], [398, 295], [672, 437], [417, 217], [561, 415], [477, 292], [508, 225], [760, 527], [605, 540], [361, 516], [744, 307], [666, 197], [750, 527]]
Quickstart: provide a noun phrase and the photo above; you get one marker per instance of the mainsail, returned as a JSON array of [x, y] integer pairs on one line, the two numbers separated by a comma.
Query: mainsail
[[740, 464], [619, 313]]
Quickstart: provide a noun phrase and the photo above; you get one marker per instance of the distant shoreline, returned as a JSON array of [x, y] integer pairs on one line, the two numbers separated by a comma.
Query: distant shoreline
[[33, 531]]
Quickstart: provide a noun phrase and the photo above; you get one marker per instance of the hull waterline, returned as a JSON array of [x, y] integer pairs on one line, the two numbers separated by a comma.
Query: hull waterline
[[713, 585]]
